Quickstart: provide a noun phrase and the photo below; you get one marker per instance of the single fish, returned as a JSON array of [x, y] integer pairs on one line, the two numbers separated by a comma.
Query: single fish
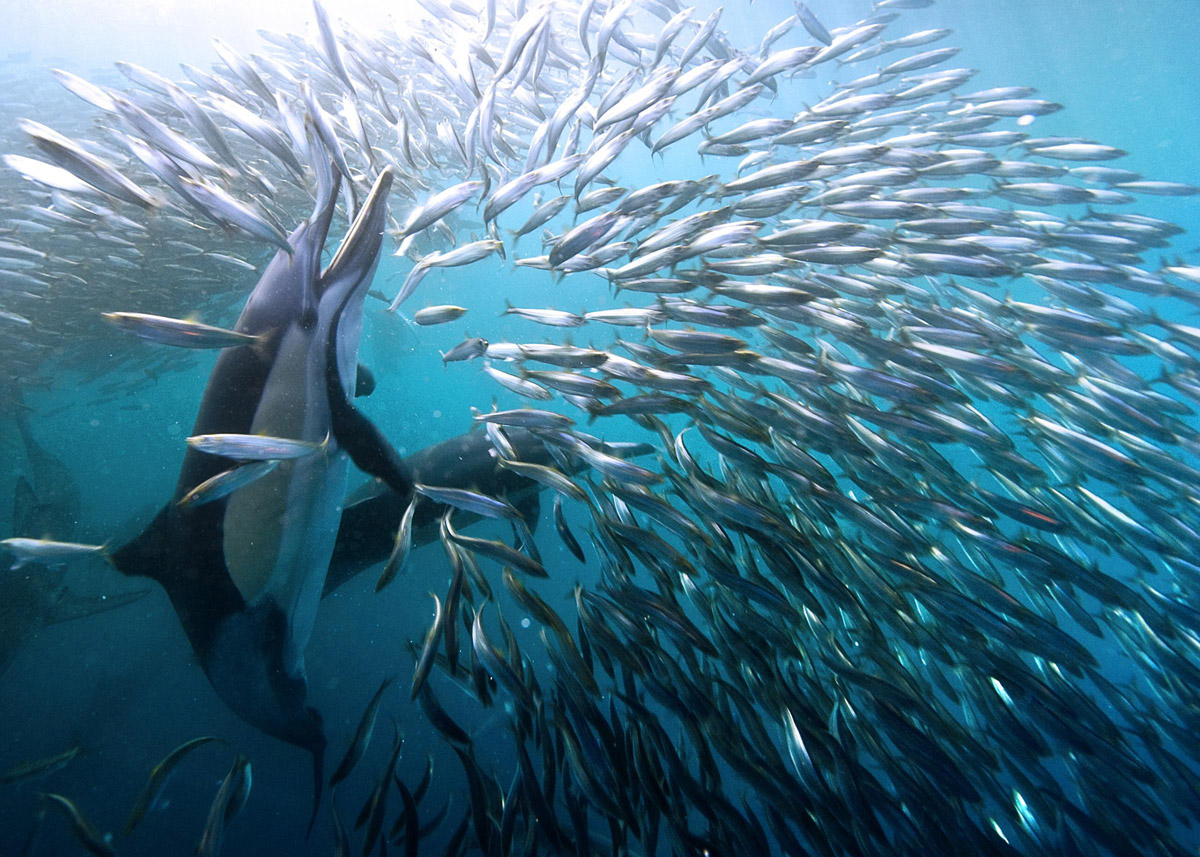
[[376, 806], [438, 314], [547, 476], [397, 561], [159, 776], [469, 501], [428, 649], [228, 801], [564, 531], [362, 734], [526, 418], [469, 349], [437, 207], [89, 837], [48, 552], [40, 767], [182, 333], [520, 386], [815, 28], [226, 482], [253, 447], [496, 550]]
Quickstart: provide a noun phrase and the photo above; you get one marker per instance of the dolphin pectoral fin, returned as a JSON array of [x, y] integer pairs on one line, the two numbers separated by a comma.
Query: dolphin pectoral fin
[[370, 451], [354, 261], [364, 381], [71, 606]]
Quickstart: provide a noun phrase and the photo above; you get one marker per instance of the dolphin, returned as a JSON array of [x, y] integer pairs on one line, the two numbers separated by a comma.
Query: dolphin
[[34, 597], [368, 528], [48, 505], [245, 573]]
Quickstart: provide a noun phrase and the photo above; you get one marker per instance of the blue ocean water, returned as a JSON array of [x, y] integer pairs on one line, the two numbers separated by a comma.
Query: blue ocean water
[[124, 686]]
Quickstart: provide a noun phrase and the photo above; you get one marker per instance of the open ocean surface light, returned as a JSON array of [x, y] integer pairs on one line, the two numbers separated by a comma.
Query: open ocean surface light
[[1111, 767]]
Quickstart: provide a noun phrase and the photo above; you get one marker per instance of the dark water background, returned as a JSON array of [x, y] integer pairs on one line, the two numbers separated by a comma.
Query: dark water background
[[124, 685]]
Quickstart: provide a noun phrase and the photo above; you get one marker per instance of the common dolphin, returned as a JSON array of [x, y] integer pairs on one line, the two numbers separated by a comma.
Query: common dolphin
[[34, 597], [245, 573], [47, 505], [368, 528]]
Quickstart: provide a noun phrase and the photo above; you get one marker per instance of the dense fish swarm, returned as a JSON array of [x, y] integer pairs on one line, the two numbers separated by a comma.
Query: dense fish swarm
[[923, 451]]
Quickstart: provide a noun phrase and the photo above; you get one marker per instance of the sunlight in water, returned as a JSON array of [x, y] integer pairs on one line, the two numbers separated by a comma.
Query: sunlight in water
[[160, 34]]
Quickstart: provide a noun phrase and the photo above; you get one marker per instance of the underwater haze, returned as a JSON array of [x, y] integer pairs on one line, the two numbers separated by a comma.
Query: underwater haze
[[602, 427]]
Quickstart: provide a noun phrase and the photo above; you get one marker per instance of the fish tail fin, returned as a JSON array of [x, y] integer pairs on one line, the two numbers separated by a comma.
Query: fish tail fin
[[264, 344], [412, 325]]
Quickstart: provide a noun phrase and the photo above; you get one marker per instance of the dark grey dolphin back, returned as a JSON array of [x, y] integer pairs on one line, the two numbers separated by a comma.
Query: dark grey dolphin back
[[245, 572]]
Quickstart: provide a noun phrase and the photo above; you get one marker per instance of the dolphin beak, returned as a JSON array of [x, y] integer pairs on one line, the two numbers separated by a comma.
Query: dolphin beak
[[359, 250]]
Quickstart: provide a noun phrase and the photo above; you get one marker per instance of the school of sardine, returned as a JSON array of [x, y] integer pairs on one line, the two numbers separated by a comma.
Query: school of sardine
[[913, 569]]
